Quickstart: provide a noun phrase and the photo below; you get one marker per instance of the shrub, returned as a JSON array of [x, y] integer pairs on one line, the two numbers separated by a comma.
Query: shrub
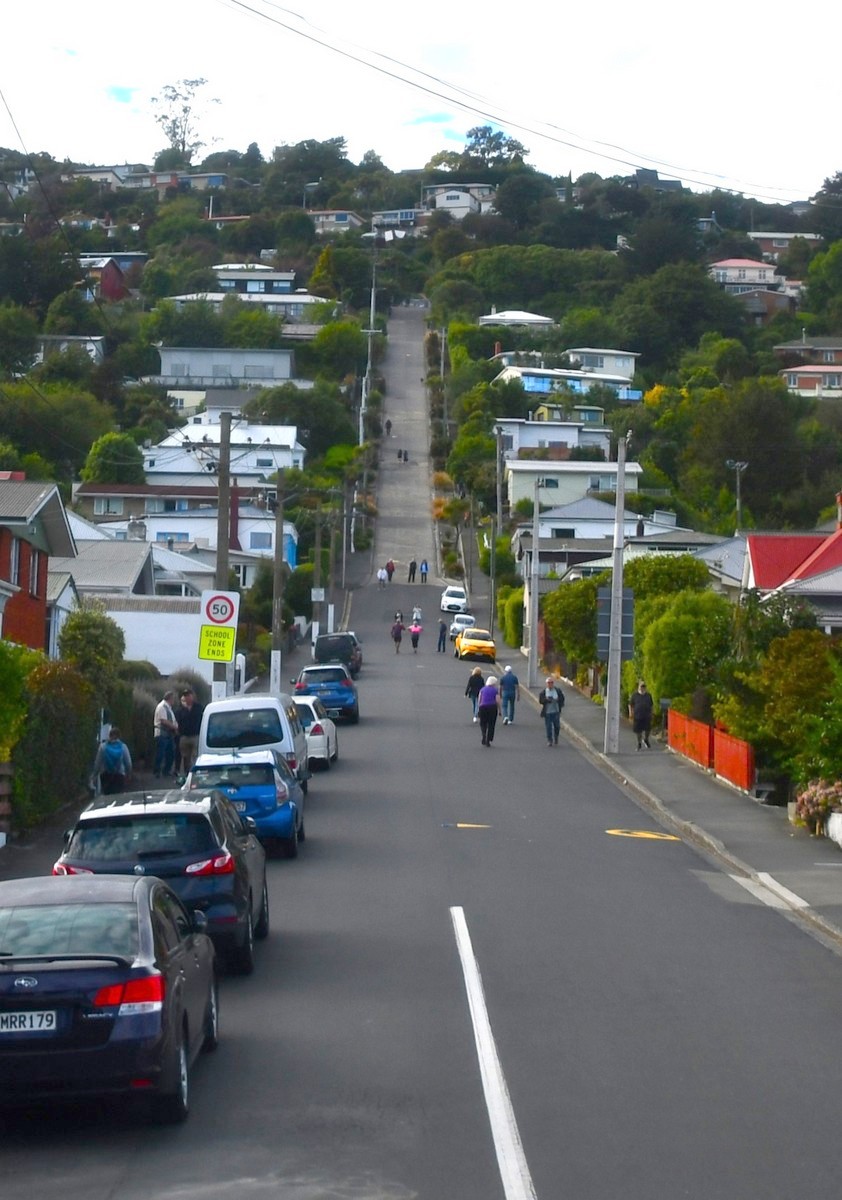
[[16, 664], [132, 669], [94, 643], [817, 800], [513, 618]]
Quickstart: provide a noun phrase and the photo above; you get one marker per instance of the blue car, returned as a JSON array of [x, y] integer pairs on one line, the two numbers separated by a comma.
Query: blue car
[[260, 785], [333, 684]]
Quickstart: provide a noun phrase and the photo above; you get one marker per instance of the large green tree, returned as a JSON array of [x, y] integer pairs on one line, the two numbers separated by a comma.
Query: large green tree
[[18, 339], [114, 458]]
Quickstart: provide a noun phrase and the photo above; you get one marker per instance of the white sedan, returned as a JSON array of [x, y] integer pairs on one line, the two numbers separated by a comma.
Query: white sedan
[[322, 738], [454, 599]]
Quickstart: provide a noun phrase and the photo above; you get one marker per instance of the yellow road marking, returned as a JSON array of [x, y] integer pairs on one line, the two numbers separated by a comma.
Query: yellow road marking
[[644, 833]]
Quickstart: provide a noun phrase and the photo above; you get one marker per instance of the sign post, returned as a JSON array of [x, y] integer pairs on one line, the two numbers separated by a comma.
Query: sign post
[[218, 627]]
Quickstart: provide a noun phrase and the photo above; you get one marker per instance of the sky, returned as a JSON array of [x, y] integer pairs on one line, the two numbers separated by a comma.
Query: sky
[[729, 94]]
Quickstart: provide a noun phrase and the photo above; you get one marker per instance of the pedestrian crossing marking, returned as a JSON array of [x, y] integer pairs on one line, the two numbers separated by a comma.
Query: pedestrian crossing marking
[[651, 834]]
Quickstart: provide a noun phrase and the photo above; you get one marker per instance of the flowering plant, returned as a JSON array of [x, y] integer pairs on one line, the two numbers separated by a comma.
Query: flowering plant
[[817, 799]]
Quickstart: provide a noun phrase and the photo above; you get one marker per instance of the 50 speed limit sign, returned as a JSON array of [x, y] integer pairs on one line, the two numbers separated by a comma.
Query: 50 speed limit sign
[[218, 626]]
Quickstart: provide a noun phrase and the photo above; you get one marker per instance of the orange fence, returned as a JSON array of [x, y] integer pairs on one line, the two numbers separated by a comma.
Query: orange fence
[[729, 757], [691, 738]]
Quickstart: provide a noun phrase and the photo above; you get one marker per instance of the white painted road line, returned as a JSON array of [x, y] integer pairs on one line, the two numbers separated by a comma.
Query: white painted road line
[[770, 892], [511, 1161]]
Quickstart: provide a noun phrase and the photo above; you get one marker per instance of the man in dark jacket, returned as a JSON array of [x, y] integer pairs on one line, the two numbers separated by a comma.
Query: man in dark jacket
[[640, 711], [188, 716]]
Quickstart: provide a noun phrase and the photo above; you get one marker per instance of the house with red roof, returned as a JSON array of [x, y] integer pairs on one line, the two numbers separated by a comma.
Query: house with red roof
[[737, 275], [808, 565]]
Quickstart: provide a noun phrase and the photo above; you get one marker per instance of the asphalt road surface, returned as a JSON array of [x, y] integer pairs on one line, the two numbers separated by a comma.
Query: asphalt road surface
[[478, 986]]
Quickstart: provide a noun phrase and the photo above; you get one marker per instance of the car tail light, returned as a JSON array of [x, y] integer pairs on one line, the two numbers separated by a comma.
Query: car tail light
[[292, 761], [220, 864], [134, 996], [317, 729], [61, 868]]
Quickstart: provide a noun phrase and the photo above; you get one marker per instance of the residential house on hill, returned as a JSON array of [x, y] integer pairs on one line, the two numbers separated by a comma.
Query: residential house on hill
[[551, 439], [546, 380], [189, 373], [458, 199], [255, 279], [34, 529], [562, 482], [188, 454], [334, 220], [773, 245], [737, 275], [516, 317], [816, 383], [808, 565], [809, 350]]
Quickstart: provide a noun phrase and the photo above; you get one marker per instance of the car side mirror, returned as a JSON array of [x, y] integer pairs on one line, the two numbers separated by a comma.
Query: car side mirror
[[250, 824], [200, 921]]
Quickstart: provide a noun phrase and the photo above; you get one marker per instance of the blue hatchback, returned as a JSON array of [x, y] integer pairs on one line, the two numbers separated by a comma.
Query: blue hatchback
[[333, 684], [260, 785]]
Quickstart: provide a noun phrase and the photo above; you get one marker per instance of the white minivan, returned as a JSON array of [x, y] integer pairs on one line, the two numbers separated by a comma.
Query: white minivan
[[256, 722]]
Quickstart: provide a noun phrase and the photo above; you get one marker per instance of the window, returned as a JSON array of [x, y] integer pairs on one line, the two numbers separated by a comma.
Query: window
[[162, 536], [14, 561], [263, 461], [108, 505], [507, 442], [34, 567], [220, 370], [254, 285], [741, 272], [561, 532], [782, 242], [228, 285], [260, 541], [832, 381], [792, 381], [258, 371], [828, 356], [177, 368], [550, 483]]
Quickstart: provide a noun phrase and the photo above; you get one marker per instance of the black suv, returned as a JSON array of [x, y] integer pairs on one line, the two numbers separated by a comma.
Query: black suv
[[339, 647], [197, 842]]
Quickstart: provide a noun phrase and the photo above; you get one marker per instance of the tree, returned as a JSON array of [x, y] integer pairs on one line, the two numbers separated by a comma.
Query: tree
[[70, 313], [114, 458], [519, 197], [18, 339], [488, 147], [319, 413], [682, 648], [570, 616], [342, 349], [93, 643], [178, 116]]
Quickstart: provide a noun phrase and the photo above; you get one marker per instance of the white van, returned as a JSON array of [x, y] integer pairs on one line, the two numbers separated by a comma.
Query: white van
[[253, 722]]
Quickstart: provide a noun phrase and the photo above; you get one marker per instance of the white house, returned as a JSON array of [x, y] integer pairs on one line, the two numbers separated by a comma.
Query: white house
[[814, 382], [743, 274], [562, 482], [292, 307], [546, 380], [334, 220], [603, 362], [258, 452], [257, 279], [557, 437], [513, 316], [458, 199]]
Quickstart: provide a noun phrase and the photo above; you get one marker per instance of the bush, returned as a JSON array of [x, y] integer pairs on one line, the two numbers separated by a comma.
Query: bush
[[16, 664], [513, 618], [132, 669], [53, 757]]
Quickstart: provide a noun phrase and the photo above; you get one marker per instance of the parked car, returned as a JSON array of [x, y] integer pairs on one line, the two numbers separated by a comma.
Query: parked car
[[339, 647], [461, 621], [454, 599], [198, 843], [334, 687], [475, 643], [253, 722], [107, 988], [322, 738], [259, 785]]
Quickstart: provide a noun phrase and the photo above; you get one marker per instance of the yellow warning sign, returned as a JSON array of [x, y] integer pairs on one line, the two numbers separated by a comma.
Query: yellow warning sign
[[218, 642], [651, 834]]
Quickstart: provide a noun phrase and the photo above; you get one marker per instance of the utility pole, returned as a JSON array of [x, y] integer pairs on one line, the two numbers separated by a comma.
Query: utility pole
[[223, 534], [737, 468], [497, 523], [532, 660], [611, 738], [331, 570], [278, 592], [370, 332], [317, 571]]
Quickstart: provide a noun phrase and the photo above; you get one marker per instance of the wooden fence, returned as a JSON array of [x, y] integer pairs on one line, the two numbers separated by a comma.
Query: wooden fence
[[728, 757]]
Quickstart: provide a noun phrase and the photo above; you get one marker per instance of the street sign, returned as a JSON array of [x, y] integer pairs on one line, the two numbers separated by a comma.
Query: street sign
[[317, 595], [603, 622], [218, 628]]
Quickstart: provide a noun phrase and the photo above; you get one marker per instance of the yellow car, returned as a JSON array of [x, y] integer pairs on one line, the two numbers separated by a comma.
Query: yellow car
[[475, 643]]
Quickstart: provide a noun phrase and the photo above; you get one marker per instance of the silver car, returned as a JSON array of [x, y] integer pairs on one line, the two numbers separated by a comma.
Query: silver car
[[461, 621]]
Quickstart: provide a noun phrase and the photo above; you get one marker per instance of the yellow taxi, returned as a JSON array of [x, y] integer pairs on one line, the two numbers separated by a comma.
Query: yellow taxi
[[475, 643]]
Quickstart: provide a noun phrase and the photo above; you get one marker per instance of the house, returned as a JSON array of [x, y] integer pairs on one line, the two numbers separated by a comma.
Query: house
[[645, 177], [773, 245], [817, 383], [334, 220], [411, 220], [104, 280], [59, 343], [806, 565], [106, 566], [555, 439], [737, 275], [255, 279], [102, 503], [762, 304], [34, 530], [516, 317], [194, 369], [292, 307], [603, 362], [458, 199], [546, 380], [820, 351], [561, 482], [190, 454]]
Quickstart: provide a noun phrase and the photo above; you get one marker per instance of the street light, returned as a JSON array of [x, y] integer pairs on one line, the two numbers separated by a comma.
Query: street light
[[737, 467], [309, 187]]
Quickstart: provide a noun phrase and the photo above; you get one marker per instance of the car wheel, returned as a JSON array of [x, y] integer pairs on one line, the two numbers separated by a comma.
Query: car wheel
[[211, 1039], [302, 833], [455, 653], [336, 749], [289, 846], [261, 929], [172, 1108], [326, 761], [242, 958], [355, 718], [304, 785]]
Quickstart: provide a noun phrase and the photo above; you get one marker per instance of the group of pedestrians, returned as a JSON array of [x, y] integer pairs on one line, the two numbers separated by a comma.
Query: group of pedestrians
[[492, 698], [403, 456], [385, 573]]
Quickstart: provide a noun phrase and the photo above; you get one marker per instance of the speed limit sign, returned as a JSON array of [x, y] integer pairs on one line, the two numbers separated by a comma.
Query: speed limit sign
[[218, 626]]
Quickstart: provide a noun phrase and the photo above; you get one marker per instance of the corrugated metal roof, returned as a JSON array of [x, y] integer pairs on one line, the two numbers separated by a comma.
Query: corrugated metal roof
[[105, 563], [775, 557]]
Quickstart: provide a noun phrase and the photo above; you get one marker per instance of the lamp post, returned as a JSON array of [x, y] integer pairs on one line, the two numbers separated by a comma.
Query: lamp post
[[611, 733], [370, 332], [309, 187], [532, 659], [737, 467]]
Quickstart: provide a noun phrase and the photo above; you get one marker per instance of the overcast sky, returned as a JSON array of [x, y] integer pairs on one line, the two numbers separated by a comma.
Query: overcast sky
[[724, 93]]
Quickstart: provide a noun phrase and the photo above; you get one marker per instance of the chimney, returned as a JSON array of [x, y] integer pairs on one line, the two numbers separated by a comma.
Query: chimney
[[234, 534], [839, 510]]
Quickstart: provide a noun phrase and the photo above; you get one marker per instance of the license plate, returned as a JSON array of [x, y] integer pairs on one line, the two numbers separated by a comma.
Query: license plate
[[27, 1022], [240, 805]]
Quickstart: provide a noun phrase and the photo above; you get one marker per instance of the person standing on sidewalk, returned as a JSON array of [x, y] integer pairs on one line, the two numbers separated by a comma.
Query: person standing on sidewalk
[[488, 708], [164, 729], [509, 692], [388, 427], [552, 702], [189, 718], [397, 633], [473, 689], [640, 711], [382, 577], [424, 569], [413, 567], [415, 631], [390, 570], [441, 648]]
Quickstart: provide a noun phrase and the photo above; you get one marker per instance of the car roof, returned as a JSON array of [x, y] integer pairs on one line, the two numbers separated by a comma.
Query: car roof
[[72, 889], [321, 666], [250, 700], [129, 804], [235, 756]]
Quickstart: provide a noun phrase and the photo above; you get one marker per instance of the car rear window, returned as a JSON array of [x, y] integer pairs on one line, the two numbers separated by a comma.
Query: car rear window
[[333, 645], [231, 775], [325, 675], [167, 835], [244, 727], [69, 929], [480, 635]]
